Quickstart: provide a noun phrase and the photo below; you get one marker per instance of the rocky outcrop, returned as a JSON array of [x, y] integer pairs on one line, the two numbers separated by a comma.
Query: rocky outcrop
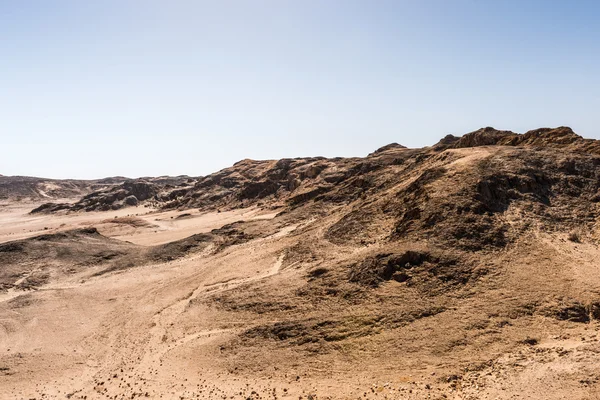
[[51, 208], [487, 137], [131, 192], [390, 146], [130, 201], [561, 137], [127, 194]]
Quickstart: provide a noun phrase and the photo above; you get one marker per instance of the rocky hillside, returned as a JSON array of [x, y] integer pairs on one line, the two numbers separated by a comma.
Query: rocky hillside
[[36, 189], [461, 200], [293, 182], [123, 194], [467, 270]]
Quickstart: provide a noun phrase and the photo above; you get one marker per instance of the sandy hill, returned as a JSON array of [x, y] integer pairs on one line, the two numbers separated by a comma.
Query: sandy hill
[[464, 270]]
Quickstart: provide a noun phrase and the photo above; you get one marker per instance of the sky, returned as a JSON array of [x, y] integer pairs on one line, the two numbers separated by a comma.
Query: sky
[[90, 89]]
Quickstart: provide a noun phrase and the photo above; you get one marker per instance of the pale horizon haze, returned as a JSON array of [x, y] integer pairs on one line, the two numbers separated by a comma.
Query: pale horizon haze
[[90, 89]]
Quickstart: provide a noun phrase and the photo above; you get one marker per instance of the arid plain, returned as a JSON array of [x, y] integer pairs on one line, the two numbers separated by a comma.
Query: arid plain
[[465, 270]]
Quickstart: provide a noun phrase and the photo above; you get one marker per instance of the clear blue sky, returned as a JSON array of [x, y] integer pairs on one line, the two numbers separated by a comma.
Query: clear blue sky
[[122, 87]]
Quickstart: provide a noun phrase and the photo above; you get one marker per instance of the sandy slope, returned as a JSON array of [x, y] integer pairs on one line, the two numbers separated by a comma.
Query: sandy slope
[[76, 337], [148, 331], [17, 223]]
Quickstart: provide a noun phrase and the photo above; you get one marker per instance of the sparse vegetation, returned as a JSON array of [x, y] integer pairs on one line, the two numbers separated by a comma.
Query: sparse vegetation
[[574, 236]]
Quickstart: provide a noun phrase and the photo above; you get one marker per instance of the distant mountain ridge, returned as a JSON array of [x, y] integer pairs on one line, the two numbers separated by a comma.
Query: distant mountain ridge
[[285, 182], [33, 188], [294, 181]]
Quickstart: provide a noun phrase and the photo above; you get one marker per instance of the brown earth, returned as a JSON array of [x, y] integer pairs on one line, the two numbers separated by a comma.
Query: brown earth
[[466, 270]]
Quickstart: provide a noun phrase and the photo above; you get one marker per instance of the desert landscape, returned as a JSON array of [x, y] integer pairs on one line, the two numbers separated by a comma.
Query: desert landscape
[[464, 270]]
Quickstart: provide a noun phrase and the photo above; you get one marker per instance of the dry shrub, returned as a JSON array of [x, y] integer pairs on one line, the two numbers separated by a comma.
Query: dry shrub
[[574, 236]]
